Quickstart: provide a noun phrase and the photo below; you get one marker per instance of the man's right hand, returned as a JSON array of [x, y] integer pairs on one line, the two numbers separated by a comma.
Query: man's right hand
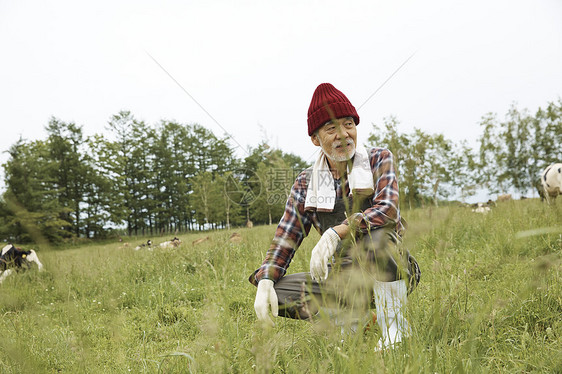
[[321, 253], [266, 300]]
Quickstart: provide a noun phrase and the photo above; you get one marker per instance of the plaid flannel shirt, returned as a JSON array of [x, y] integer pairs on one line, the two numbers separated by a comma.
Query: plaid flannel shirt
[[296, 221]]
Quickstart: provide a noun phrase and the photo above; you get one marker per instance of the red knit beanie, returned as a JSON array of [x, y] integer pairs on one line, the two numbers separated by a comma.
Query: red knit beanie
[[328, 103]]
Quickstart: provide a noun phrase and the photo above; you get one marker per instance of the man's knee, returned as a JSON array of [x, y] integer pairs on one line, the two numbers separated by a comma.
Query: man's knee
[[379, 239], [296, 294]]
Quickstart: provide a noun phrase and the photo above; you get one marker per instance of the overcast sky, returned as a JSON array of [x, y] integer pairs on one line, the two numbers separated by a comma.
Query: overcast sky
[[253, 65]]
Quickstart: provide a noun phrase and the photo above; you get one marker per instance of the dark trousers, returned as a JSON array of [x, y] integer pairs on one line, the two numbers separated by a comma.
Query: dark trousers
[[375, 255]]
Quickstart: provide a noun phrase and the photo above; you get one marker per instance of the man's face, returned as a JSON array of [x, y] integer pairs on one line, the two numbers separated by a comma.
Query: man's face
[[337, 139]]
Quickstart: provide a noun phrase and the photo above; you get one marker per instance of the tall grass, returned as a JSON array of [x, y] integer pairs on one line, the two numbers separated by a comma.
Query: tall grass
[[490, 300]]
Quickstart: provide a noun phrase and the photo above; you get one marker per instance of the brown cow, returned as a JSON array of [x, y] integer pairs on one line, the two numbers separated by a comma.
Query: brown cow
[[200, 240], [506, 197]]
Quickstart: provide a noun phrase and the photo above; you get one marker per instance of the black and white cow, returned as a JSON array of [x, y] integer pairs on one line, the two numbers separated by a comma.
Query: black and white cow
[[551, 180], [148, 245], [13, 259], [175, 242]]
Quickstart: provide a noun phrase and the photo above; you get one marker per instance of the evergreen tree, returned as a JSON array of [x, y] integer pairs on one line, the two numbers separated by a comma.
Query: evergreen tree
[[32, 196], [68, 169], [174, 167], [123, 156], [98, 192]]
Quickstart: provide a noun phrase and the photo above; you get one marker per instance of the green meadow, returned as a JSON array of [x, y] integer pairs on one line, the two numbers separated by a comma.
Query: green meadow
[[490, 300]]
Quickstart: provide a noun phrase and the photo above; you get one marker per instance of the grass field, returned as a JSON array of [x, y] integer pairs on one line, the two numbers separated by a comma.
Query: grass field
[[490, 300]]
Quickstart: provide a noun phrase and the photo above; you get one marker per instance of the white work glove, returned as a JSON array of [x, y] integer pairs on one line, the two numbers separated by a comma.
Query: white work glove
[[266, 298], [324, 249]]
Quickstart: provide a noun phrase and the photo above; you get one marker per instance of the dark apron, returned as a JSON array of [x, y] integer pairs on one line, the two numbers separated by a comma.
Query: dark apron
[[359, 260]]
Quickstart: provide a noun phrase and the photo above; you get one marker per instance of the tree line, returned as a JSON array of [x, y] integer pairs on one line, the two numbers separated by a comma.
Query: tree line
[[135, 180], [510, 157], [138, 179]]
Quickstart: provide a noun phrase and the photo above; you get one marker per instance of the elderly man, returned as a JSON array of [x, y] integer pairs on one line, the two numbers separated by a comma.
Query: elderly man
[[350, 195]]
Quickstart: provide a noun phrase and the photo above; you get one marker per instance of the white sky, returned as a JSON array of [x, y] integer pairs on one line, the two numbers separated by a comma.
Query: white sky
[[253, 65]]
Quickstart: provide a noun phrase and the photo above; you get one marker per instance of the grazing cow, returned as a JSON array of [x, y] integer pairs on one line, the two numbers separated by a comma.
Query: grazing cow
[[235, 237], [175, 242], [481, 209], [14, 258], [148, 245], [506, 197], [200, 240], [551, 180]]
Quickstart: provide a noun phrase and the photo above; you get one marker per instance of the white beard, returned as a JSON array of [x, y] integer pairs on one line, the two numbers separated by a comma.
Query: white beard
[[333, 155]]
